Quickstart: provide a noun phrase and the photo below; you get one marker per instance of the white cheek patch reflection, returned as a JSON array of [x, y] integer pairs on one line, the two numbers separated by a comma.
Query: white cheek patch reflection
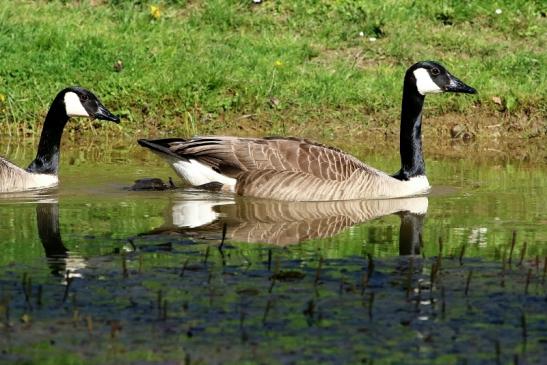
[[73, 106], [424, 83]]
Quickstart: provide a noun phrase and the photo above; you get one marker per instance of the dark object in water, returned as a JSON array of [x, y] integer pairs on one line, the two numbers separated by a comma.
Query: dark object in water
[[213, 186], [153, 183], [288, 275]]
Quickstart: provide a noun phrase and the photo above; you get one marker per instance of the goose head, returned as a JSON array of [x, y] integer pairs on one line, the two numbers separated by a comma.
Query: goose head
[[430, 77], [80, 102]]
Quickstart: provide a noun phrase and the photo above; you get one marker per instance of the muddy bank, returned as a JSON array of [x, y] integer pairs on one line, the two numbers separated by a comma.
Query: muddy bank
[[477, 135], [497, 135]]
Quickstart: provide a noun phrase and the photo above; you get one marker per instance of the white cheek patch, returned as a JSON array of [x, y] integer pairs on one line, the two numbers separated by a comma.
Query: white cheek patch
[[424, 83], [73, 106]]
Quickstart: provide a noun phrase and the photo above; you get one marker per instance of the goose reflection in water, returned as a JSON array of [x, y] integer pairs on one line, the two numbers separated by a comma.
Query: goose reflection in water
[[284, 223], [246, 220], [60, 261]]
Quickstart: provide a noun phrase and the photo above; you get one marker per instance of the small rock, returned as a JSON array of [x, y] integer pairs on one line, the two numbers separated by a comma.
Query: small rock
[[118, 66], [457, 131], [274, 102]]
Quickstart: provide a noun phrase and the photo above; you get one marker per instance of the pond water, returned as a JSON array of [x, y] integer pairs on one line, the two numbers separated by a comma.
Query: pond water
[[93, 272]]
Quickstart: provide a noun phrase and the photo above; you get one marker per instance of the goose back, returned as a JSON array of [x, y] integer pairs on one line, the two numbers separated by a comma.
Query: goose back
[[232, 155]]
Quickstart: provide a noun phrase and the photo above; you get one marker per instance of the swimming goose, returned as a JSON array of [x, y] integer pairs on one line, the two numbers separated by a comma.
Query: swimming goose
[[42, 172], [296, 169]]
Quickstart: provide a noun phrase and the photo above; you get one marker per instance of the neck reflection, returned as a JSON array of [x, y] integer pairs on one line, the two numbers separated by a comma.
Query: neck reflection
[[61, 263]]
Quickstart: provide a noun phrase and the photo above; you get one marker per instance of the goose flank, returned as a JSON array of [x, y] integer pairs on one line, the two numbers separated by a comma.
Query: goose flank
[[43, 170], [297, 169]]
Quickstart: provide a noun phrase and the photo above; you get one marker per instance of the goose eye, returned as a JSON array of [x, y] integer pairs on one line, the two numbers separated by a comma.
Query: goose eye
[[83, 97], [435, 72]]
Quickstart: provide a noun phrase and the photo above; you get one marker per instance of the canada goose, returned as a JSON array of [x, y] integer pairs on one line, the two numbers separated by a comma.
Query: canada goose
[[300, 170], [276, 222], [42, 172]]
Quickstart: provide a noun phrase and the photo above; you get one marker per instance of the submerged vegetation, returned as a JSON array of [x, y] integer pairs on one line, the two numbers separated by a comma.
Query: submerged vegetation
[[175, 300], [275, 67]]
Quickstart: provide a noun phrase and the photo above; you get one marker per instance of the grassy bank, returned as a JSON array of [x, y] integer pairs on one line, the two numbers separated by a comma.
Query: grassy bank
[[307, 67]]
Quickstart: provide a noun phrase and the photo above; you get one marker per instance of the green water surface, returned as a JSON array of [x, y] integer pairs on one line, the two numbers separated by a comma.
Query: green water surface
[[93, 272]]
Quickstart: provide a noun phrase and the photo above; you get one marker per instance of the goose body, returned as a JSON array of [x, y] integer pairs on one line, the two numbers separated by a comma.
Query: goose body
[[280, 168], [296, 169], [42, 173]]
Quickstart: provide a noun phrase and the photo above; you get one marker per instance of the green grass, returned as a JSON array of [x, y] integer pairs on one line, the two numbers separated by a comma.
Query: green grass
[[202, 67]]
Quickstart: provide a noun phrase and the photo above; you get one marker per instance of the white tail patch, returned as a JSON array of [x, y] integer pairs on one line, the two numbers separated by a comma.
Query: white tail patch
[[73, 106], [196, 173], [424, 83]]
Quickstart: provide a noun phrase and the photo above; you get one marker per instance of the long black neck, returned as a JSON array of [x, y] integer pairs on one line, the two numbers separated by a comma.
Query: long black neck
[[47, 157], [412, 160]]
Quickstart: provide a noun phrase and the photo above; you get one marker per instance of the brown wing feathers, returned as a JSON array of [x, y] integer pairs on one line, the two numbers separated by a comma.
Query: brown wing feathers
[[278, 168], [230, 155]]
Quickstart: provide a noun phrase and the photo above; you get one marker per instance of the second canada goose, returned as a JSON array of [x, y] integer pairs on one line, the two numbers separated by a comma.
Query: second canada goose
[[300, 170], [42, 172]]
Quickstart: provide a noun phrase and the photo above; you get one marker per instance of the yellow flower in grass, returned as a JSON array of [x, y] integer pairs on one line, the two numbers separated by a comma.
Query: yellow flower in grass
[[2, 97], [155, 12], [278, 63]]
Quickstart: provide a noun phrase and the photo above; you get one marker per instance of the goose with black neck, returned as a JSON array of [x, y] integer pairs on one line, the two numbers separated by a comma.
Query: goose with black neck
[[420, 79], [43, 171], [297, 169]]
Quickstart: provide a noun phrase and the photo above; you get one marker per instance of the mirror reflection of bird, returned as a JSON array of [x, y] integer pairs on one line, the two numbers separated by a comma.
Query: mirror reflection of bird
[[284, 223]]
